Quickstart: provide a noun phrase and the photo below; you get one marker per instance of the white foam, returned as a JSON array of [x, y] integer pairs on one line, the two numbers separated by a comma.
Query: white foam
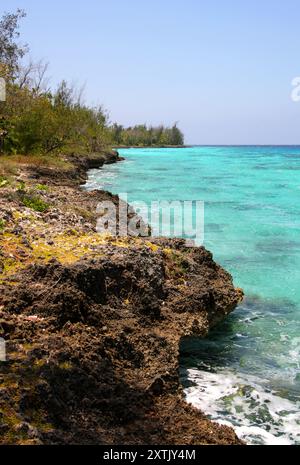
[[259, 416]]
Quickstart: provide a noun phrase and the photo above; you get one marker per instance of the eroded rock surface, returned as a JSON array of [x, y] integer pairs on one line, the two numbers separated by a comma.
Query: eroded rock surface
[[93, 326]]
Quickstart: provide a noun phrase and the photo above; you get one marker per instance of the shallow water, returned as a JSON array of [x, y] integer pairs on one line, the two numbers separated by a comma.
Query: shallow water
[[247, 373]]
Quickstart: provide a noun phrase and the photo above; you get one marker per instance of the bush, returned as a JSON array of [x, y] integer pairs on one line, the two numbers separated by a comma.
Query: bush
[[3, 182], [35, 203], [2, 224]]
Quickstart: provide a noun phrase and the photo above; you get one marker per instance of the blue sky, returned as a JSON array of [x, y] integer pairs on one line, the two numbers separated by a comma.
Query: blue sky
[[222, 68]]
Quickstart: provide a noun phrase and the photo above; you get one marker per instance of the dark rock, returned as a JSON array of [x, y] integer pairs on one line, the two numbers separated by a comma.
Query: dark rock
[[93, 339]]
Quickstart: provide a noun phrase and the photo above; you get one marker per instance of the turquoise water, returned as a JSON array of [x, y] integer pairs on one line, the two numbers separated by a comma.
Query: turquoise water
[[247, 373]]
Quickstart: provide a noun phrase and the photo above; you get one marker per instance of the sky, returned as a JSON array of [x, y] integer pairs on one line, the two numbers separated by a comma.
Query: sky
[[222, 68]]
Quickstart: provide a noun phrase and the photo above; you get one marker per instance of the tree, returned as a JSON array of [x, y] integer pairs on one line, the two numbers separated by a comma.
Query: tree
[[34, 77], [142, 135], [177, 137], [35, 119], [11, 52]]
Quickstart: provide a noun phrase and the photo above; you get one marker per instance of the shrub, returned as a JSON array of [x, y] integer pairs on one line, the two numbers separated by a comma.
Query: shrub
[[3, 182], [2, 224], [42, 187], [35, 203]]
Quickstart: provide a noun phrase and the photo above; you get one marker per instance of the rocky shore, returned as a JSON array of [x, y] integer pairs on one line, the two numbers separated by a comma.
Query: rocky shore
[[93, 323]]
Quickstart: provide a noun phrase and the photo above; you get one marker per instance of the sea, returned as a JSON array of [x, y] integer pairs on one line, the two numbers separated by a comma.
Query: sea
[[246, 374]]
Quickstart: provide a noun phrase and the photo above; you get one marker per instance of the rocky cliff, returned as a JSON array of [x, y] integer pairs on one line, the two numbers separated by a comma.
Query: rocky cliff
[[93, 323]]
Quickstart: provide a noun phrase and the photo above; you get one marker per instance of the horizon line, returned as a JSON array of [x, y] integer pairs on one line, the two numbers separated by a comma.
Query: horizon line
[[241, 145]]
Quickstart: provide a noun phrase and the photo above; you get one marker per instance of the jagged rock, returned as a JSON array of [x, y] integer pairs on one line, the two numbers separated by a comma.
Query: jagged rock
[[93, 327]]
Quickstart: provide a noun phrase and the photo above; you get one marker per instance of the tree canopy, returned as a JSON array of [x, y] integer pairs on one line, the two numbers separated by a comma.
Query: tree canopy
[[143, 135], [10, 50], [38, 119]]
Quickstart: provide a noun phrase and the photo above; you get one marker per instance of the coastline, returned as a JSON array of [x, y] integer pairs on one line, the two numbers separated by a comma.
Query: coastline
[[117, 147], [78, 371]]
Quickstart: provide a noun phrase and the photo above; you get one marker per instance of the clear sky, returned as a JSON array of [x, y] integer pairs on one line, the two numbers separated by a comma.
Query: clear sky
[[222, 68]]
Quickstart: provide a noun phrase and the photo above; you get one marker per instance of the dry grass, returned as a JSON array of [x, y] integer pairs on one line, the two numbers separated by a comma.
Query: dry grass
[[10, 164]]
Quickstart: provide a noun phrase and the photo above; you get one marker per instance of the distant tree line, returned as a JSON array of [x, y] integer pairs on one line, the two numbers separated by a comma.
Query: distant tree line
[[142, 135], [37, 119]]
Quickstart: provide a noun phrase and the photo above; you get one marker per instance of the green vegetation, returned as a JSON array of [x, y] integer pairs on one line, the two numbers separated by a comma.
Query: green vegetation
[[34, 202], [146, 136], [31, 199], [3, 181], [42, 187], [2, 224], [36, 119]]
